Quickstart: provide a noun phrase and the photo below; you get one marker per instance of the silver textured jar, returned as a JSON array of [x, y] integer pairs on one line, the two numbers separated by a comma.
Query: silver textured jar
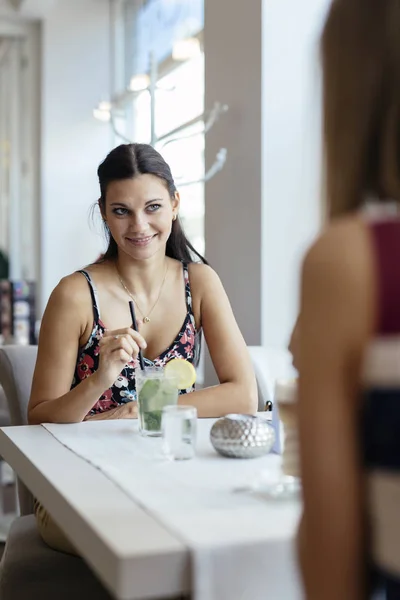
[[242, 436]]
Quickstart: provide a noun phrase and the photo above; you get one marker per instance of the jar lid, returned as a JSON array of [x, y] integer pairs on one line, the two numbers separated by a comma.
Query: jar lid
[[286, 391]]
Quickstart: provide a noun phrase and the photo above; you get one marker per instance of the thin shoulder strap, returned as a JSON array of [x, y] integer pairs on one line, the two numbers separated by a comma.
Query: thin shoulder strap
[[188, 291], [94, 295]]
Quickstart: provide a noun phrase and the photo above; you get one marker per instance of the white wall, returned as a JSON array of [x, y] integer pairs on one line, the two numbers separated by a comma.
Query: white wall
[[75, 78], [263, 209], [30, 152], [233, 202], [291, 162], [233, 197]]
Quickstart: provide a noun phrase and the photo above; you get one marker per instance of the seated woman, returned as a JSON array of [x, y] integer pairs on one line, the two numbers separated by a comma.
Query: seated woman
[[86, 333]]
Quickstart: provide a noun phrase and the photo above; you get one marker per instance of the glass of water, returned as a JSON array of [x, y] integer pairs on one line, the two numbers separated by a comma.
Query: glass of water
[[287, 483], [179, 426]]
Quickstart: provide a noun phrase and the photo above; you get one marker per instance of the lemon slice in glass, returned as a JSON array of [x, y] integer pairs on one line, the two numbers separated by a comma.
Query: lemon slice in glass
[[182, 371]]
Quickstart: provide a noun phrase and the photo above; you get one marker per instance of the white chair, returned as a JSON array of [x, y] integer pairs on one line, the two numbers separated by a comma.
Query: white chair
[[28, 567], [270, 364]]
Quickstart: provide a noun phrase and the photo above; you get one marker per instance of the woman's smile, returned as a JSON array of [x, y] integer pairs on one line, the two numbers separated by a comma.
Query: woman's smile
[[140, 241]]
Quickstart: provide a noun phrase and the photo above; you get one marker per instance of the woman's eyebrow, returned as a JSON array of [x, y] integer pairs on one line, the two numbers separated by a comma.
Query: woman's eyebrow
[[127, 206], [153, 200]]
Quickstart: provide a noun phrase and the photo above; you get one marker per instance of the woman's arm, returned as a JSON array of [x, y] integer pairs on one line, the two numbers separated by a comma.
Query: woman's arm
[[336, 323], [63, 325], [125, 411], [237, 392], [294, 343]]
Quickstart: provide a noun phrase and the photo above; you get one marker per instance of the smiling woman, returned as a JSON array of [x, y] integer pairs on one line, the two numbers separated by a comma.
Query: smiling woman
[[133, 171], [86, 334]]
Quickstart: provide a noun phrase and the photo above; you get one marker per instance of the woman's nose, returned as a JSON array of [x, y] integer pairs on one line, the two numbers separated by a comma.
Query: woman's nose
[[140, 222]]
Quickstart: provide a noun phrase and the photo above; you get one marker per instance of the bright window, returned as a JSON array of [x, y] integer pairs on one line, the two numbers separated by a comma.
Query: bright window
[[179, 100]]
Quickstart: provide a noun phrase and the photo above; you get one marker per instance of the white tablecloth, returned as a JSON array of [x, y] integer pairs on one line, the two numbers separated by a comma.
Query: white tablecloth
[[241, 544]]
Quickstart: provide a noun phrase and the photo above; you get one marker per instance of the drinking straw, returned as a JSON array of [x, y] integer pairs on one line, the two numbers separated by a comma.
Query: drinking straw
[[135, 327]]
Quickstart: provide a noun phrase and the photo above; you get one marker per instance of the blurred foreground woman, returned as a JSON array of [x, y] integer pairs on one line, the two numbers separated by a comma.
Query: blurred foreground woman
[[348, 349]]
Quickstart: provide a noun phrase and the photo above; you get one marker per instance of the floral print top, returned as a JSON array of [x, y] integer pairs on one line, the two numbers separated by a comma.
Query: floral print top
[[186, 345]]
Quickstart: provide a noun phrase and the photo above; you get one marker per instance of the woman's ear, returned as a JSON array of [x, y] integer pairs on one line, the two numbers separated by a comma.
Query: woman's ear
[[102, 212], [175, 201]]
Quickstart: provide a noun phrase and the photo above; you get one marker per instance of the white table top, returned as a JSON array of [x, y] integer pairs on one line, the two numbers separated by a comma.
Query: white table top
[[124, 544]]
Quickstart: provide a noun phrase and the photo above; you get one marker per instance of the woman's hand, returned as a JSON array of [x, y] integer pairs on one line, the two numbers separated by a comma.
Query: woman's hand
[[117, 348], [125, 411]]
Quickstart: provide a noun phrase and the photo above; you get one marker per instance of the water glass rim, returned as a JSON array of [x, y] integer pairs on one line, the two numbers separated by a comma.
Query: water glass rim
[[150, 369], [180, 409], [152, 373]]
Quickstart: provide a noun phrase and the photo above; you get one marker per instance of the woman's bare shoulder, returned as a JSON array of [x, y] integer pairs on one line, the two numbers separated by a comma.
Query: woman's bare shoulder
[[102, 271], [70, 305], [72, 286], [71, 295], [342, 251], [339, 280], [202, 275]]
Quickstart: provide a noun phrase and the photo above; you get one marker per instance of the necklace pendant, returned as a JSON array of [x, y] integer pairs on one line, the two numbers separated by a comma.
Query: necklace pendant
[[146, 320]]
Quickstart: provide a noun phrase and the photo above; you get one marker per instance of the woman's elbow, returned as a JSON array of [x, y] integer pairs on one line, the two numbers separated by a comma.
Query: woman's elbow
[[248, 399], [253, 401], [31, 415], [37, 416]]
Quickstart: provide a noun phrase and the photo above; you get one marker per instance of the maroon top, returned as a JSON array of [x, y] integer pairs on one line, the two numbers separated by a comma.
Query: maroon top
[[386, 235]]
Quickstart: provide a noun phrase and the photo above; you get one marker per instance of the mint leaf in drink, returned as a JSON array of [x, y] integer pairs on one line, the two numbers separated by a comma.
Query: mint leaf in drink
[[150, 389], [153, 397], [152, 420]]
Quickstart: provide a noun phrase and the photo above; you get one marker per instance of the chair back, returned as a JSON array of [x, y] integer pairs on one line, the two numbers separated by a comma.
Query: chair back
[[17, 364], [270, 364]]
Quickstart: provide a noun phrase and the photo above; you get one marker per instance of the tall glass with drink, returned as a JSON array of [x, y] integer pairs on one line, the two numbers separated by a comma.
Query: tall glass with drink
[[155, 389]]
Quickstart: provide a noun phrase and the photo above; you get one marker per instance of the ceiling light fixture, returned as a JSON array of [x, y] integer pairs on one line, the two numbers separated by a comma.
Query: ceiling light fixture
[[186, 49], [139, 83], [102, 115]]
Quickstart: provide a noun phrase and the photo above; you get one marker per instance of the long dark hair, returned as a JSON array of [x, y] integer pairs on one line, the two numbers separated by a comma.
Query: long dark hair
[[361, 88], [126, 162]]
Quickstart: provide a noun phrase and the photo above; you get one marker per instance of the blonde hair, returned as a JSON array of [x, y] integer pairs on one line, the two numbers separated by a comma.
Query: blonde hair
[[361, 97]]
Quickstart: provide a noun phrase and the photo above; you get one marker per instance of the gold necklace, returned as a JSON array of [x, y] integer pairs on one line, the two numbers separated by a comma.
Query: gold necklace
[[145, 319]]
